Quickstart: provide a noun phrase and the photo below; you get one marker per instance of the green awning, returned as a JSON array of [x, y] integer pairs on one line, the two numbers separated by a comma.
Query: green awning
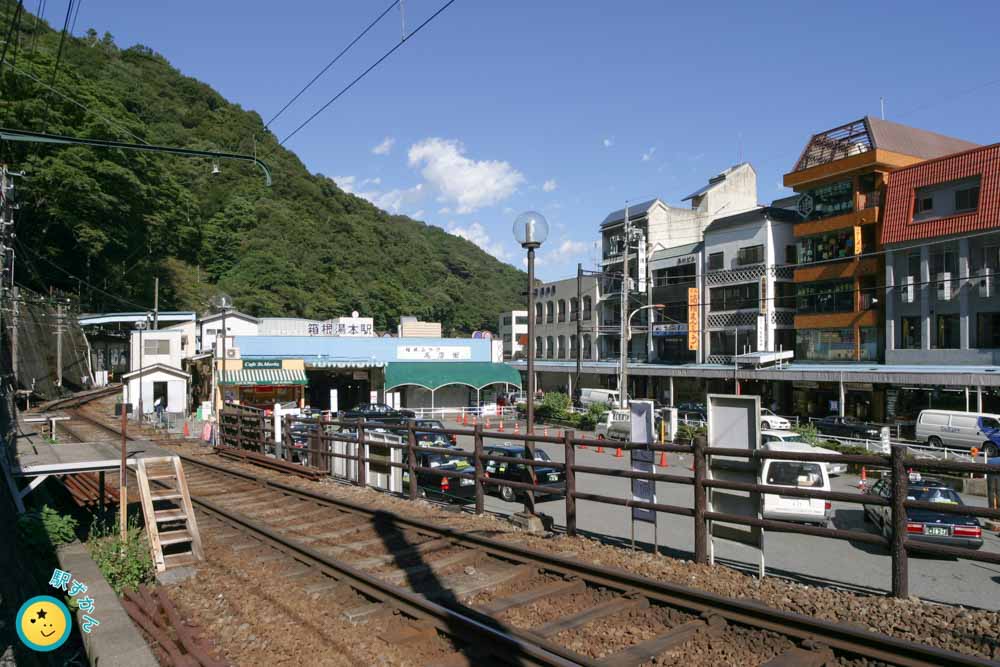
[[263, 377], [435, 374]]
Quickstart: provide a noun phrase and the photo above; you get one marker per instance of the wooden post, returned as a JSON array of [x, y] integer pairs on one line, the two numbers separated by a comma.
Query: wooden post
[[123, 478], [477, 450], [286, 437], [362, 482], [570, 482], [700, 501], [900, 482], [411, 459], [100, 492]]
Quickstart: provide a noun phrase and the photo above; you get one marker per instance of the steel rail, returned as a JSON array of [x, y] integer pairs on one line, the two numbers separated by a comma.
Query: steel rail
[[842, 637]]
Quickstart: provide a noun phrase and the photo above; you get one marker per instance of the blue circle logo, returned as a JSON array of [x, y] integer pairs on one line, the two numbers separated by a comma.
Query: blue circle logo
[[43, 623]]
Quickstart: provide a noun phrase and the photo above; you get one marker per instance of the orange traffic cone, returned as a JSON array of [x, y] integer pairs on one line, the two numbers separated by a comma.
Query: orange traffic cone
[[663, 460], [600, 449], [618, 453], [501, 425], [487, 421], [864, 478], [559, 433], [187, 430], [475, 420], [517, 427], [546, 432], [458, 418], [465, 419]]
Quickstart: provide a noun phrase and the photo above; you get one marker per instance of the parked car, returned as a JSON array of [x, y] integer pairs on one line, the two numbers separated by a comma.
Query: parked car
[[963, 430], [800, 475], [849, 427], [955, 530], [428, 431], [379, 412], [452, 489], [790, 441], [770, 421], [695, 416], [590, 397], [545, 476], [614, 425]]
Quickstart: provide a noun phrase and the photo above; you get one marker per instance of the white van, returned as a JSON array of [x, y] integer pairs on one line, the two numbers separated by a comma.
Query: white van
[[799, 475], [614, 425], [790, 441], [590, 397], [954, 428]]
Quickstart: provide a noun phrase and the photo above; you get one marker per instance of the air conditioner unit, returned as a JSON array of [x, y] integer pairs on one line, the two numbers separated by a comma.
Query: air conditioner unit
[[908, 291], [232, 353], [945, 287], [986, 279]]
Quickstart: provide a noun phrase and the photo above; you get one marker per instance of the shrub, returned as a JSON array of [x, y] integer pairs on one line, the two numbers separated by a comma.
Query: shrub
[[44, 529], [689, 432], [557, 403], [124, 565], [586, 421]]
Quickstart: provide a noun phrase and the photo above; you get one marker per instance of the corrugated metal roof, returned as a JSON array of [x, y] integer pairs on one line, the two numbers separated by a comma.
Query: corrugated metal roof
[[677, 251], [897, 219], [634, 212]]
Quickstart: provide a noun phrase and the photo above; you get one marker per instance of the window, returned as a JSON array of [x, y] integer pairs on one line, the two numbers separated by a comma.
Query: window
[[734, 297], [825, 297], [834, 245], [794, 473], [587, 307], [913, 265], [988, 330], [909, 329], [934, 419], [155, 346], [506, 320], [963, 421], [784, 295], [791, 254], [784, 339], [521, 319], [751, 255], [539, 348], [835, 344], [947, 332], [562, 310], [944, 262], [716, 261], [538, 313], [574, 309], [586, 346], [550, 310], [989, 422], [923, 204], [561, 349], [550, 347], [726, 341], [967, 199]]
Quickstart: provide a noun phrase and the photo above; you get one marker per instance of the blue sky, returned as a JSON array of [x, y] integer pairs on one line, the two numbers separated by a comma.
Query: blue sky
[[571, 108]]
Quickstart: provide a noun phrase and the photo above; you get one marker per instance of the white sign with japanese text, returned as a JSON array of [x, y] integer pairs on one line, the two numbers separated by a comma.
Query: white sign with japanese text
[[434, 352]]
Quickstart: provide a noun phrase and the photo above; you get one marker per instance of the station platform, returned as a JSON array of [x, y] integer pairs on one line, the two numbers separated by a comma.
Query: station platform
[[36, 457]]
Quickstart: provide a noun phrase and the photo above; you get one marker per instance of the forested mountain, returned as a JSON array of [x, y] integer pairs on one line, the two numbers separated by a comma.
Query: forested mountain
[[104, 222]]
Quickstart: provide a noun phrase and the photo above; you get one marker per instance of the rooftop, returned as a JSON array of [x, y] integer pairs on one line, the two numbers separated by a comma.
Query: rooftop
[[635, 212], [753, 216], [714, 181]]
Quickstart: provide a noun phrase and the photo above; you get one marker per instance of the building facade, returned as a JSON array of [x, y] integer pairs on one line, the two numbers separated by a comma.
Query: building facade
[[566, 318], [513, 328], [942, 237], [748, 283], [840, 177]]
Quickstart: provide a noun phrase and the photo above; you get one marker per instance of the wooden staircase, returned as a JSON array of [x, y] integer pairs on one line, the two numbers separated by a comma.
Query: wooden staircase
[[168, 512]]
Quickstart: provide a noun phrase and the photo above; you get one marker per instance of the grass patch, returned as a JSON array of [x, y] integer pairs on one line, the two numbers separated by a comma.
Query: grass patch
[[125, 564]]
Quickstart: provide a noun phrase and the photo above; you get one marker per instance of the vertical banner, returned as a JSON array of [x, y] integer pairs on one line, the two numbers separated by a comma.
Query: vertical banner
[[693, 323], [762, 317], [641, 460]]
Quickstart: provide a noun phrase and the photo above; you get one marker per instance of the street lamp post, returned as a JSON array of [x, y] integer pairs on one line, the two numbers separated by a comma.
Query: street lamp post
[[141, 326], [530, 230], [623, 380]]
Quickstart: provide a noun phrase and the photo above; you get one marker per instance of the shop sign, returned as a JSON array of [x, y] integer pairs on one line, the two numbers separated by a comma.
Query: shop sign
[[262, 363], [805, 385], [670, 329], [433, 352], [693, 318], [353, 326], [858, 386]]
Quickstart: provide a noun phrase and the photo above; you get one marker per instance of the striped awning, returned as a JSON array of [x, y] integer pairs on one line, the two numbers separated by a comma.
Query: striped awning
[[263, 377]]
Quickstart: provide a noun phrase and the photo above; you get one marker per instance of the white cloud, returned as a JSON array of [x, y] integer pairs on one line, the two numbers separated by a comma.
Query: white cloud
[[470, 184], [550, 185], [566, 251], [648, 155], [608, 143], [394, 201], [384, 147], [444, 210], [346, 183], [477, 234], [418, 214]]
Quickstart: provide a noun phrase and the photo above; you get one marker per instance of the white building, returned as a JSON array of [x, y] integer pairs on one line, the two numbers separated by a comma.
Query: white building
[[156, 383], [748, 288], [562, 311], [236, 323], [159, 346], [513, 329]]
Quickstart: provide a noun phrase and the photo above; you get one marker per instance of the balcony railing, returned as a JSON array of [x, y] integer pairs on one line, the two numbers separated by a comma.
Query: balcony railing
[[871, 199], [586, 315]]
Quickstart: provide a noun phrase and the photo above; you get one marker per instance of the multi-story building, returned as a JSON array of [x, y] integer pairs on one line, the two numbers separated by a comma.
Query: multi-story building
[[748, 283], [941, 233], [653, 225], [840, 177], [514, 334], [560, 307], [675, 273]]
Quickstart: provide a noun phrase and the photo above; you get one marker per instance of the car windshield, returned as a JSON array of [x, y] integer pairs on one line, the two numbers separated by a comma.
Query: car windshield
[[935, 494], [438, 460], [795, 473], [541, 456]]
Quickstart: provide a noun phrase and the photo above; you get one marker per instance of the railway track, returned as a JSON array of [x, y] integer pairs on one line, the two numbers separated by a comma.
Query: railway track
[[491, 601]]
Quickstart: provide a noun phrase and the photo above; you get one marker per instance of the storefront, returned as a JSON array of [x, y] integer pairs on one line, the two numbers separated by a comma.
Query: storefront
[[261, 383]]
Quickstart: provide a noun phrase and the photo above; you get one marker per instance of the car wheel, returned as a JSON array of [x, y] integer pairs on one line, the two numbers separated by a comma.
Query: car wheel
[[422, 493], [507, 494], [766, 426], [991, 450], [934, 441], [600, 436]]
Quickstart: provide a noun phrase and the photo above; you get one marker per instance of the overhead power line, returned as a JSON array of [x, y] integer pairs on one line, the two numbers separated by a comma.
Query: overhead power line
[[366, 72], [332, 62], [55, 66]]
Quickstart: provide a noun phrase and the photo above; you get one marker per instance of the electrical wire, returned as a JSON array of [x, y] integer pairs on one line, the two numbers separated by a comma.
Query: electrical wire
[[76, 15], [358, 78], [332, 62], [55, 66]]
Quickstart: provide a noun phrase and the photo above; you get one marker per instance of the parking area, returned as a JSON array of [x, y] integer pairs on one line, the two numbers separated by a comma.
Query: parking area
[[809, 559]]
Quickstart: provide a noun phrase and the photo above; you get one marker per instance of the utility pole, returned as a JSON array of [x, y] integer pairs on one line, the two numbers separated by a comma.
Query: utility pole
[[59, 335], [13, 330], [623, 348], [156, 303]]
